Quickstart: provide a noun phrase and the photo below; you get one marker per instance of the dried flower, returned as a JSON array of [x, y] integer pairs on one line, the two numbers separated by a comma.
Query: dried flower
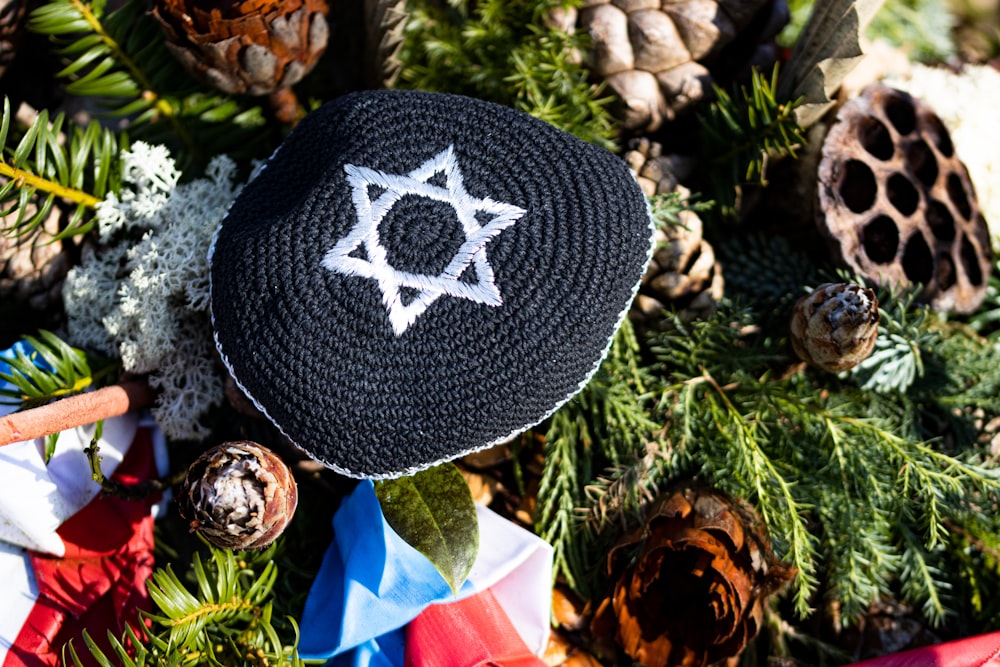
[[238, 495], [835, 327], [896, 202]]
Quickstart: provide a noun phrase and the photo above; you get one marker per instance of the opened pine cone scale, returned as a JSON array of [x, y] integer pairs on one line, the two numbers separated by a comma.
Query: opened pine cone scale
[[688, 585], [661, 57], [253, 47]]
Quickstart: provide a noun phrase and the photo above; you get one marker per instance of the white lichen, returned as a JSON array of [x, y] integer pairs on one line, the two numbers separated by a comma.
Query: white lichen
[[966, 103], [144, 294]]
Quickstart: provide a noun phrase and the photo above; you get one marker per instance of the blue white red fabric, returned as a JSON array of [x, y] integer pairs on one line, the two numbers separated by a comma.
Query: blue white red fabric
[[71, 559], [372, 585]]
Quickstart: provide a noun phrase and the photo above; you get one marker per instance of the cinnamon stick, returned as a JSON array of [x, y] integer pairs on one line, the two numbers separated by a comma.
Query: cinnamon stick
[[77, 410]]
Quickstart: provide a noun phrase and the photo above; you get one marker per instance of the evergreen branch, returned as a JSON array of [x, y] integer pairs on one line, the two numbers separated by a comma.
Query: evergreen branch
[[860, 542], [922, 583], [742, 132], [604, 425], [776, 502], [50, 369], [81, 171], [505, 53], [30, 180], [567, 447], [226, 621], [98, 63]]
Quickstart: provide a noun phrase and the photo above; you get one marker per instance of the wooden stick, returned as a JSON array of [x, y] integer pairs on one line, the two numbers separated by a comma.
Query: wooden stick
[[77, 410]]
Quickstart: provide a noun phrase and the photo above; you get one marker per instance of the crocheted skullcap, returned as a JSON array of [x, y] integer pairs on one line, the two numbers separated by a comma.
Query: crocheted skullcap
[[415, 276]]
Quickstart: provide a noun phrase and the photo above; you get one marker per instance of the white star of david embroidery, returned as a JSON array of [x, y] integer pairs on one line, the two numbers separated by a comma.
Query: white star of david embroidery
[[428, 287]]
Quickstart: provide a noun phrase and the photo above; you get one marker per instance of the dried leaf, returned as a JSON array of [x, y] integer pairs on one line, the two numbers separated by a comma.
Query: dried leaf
[[827, 49]]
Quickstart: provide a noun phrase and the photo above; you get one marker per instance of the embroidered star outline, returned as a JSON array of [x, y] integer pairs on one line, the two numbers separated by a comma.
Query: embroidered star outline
[[343, 257]]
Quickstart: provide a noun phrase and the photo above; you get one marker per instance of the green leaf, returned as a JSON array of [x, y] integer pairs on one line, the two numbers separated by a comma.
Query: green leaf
[[434, 513]]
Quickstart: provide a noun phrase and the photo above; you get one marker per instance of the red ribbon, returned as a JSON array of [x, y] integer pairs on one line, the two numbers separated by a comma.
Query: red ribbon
[[978, 651], [472, 632]]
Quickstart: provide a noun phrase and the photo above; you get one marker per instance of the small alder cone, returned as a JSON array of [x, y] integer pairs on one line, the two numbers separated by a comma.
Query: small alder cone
[[238, 495], [689, 585], [251, 46], [835, 327], [661, 58]]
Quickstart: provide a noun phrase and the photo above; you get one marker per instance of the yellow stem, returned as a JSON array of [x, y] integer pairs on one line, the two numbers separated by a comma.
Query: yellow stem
[[161, 105], [211, 608], [45, 185]]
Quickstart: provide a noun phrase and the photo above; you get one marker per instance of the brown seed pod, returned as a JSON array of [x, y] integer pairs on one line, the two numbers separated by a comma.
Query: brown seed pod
[[896, 203], [238, 495], [835, 327]]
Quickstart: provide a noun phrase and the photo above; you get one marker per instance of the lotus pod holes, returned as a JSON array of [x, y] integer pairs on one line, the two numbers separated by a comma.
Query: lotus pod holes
[[896, 204]]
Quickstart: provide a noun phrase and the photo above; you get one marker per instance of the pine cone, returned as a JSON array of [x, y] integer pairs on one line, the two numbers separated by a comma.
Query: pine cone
[[33, 266], [238, 495], [835, 327], [683, 275], [689, 585], [660, 58], [657, 173], [245, 46], [12, 14]]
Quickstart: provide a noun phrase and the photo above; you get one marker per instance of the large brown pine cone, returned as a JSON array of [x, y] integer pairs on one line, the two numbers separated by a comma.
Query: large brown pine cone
[[11, 28], [689, 584], [660, 57], [32, 266], [683, 276], [245, 46]]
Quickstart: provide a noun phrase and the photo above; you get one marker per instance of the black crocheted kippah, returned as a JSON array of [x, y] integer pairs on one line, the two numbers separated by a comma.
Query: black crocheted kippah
[[415, 276]]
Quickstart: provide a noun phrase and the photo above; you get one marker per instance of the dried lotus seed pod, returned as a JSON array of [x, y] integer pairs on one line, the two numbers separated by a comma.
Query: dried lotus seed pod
[[896, 203], [238, 495], [835, 327]]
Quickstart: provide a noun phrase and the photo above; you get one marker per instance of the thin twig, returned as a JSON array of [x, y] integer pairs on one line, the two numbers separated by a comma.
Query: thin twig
[[73, 411]]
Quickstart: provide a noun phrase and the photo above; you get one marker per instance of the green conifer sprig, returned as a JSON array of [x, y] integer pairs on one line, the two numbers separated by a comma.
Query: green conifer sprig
[[226, 619], [741, 132], [97, 47], [504, 52], [607, 424], [120, 60], [854, 490], [51, 370], [76, 166]]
